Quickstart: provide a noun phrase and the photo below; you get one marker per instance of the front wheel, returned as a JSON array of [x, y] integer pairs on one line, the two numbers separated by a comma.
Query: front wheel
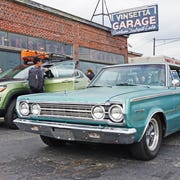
[[52, 142], [11, 115], [149, 145]]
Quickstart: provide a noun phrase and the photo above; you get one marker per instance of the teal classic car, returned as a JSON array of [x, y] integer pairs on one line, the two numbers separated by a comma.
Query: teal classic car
[[13, 82], [135, 104]]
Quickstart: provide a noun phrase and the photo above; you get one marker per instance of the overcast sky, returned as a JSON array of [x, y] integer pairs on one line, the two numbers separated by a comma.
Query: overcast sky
[[169, 22]]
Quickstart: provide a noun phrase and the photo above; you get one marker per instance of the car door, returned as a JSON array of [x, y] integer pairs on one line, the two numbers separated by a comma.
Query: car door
[[175, 123], [81, 81], [63, 79]]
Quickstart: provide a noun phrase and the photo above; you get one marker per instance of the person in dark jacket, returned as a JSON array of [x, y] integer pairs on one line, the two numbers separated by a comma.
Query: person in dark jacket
[[35, 77], [90, 74]]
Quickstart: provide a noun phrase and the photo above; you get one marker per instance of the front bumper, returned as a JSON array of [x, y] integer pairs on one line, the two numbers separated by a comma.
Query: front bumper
[[74, 132]]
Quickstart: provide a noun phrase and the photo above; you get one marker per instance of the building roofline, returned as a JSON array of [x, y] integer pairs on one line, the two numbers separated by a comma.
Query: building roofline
[[48, 9], [135, 53]]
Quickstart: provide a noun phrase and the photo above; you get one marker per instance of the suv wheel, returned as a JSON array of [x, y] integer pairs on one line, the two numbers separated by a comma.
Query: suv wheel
[[11, 115]]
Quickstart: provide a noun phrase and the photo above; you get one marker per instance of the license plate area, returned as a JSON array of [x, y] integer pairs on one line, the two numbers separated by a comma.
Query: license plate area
[[64, 134]]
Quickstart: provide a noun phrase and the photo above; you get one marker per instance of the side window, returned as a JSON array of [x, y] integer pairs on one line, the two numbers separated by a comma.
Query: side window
[[54, 72], [62, 72], [175, 73], [178, 73]]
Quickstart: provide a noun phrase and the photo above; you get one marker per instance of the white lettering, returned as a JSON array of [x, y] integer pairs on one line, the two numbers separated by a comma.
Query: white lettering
[[145, 21], [122, 25], [133, 14], [129, 23], [152, 20], [115, 26], [137, 22]]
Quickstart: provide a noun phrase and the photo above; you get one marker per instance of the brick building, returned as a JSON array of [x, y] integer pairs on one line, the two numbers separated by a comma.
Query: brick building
[[25, 24]]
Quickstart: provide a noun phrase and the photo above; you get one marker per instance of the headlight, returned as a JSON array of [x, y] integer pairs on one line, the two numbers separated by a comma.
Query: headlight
[[24, 108], [2, 88], [115, 113], [98, 112], [35, 109]]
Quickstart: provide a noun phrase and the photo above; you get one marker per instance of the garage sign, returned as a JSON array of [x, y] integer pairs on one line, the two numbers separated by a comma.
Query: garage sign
[[136, 20]]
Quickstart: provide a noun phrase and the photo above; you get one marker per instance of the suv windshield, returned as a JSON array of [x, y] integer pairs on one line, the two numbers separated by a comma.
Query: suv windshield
[[132, 75], [59, 70], [19, 72]]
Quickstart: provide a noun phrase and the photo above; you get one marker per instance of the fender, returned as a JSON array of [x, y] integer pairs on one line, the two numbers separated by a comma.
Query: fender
[[151, 113]]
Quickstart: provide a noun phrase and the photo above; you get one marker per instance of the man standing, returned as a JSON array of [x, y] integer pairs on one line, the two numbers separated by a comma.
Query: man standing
[[35, 77]]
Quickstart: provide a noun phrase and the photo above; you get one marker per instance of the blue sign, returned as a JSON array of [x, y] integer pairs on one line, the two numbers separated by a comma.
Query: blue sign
[[142, 19]]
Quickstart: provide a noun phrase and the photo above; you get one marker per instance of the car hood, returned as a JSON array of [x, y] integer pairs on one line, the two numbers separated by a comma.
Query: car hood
[[10, 80], [94, 95]]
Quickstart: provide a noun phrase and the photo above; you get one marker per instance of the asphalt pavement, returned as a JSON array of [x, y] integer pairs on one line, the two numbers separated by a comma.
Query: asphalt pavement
[[23, 156]]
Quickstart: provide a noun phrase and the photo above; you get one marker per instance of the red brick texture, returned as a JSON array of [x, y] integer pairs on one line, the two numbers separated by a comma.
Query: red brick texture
[[18, 18]]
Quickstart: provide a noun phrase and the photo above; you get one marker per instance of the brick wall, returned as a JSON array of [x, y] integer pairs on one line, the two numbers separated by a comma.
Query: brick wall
[[18, 18]]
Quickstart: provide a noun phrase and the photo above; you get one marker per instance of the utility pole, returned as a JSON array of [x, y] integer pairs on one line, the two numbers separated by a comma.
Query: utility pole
[[171, 40], [154, 46]]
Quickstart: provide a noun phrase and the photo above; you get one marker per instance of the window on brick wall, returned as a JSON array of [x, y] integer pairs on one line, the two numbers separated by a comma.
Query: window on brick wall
[[36, 44], [100, 56], [16, 40], [66, 49], [52, 46], [3, 38], [39, 44], [58, 47], [84, 66]]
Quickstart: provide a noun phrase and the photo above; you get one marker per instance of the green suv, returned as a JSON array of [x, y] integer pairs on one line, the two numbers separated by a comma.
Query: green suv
[[13, 82]]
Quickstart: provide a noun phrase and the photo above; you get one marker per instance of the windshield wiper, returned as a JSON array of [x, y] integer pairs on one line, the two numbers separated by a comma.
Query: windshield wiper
[[93, 86], [126, 84], [98, 86]]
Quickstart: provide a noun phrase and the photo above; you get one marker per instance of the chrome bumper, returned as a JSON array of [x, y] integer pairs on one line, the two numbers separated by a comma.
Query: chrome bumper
[[74, 132]]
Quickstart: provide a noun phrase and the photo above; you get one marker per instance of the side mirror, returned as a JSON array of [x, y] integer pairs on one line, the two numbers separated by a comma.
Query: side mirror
[[175, 82], [77, 75]]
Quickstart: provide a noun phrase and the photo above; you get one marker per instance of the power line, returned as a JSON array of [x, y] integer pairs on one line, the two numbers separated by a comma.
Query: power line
[[167, 39], [167, 42], [171, 40]]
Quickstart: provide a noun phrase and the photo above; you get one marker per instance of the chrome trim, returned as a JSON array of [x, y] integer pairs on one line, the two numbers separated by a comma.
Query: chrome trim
[[112, 135], [71, 111], [153, 96]]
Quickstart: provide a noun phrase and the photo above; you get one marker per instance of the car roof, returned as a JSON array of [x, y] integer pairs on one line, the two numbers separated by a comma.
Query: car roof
[[135, 64]]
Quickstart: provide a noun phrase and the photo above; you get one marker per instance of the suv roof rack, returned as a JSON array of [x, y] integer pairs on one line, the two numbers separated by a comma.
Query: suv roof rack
[[53, 57], [28, 56]]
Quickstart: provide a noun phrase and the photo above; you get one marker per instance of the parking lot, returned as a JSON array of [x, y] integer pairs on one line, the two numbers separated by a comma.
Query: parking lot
[[24, 157]]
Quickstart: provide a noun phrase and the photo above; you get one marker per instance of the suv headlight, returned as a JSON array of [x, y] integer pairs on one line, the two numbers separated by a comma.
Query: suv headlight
[[116, 113], [2, 88], [24, 108], [35, 109], [98, 112]]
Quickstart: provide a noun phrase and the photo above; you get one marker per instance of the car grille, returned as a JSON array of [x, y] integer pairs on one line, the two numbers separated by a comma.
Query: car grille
[[66, 110]]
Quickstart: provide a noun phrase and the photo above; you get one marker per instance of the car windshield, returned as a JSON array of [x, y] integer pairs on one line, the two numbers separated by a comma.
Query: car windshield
[[131, 75], [59, 70], [19, 72]]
